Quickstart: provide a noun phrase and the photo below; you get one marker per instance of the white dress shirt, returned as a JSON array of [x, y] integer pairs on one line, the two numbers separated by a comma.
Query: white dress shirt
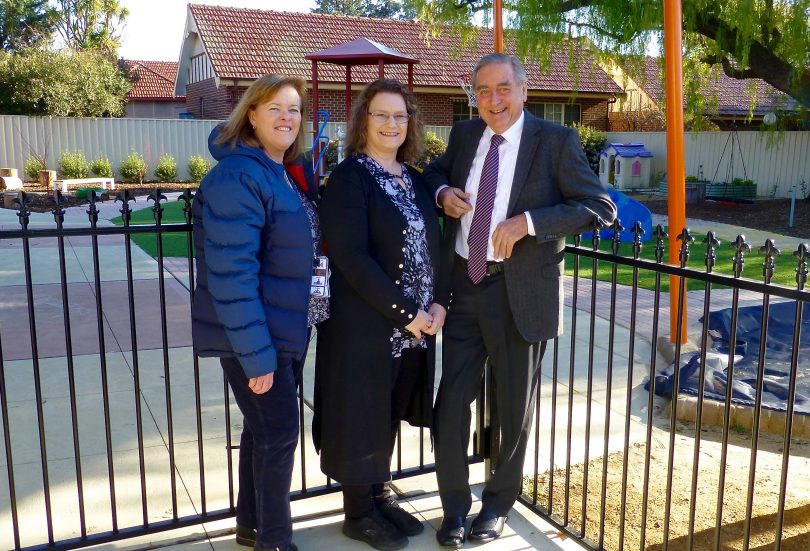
[[508, 152]]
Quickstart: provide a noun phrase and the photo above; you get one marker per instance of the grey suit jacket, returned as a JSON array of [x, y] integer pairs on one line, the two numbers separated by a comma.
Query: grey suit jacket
[[555, 184]]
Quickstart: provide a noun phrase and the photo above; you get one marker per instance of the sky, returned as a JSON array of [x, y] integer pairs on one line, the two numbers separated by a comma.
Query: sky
[[154, 28]]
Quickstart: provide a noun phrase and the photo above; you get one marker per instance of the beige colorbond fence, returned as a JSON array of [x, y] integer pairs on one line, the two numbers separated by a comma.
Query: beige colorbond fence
[[776, 164]]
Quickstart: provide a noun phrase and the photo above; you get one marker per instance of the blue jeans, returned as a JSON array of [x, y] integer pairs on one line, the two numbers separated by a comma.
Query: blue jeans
[[266, 452]]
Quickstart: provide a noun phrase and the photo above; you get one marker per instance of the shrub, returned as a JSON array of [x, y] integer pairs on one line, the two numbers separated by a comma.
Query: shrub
[[593, 142], [102, 166], [742, 182], [691, 179], [133, 168], [434, 147], [198, 167], [166, 169], [33, 165], [73, 165]]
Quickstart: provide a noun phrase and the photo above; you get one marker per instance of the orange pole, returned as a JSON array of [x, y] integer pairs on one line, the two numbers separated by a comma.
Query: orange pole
[[676, 171], [497, 25]]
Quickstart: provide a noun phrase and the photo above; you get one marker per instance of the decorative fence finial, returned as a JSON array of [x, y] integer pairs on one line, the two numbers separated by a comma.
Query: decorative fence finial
[[711, 243]]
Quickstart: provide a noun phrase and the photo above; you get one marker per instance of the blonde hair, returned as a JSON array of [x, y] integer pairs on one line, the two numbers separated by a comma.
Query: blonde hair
[[238, 127]]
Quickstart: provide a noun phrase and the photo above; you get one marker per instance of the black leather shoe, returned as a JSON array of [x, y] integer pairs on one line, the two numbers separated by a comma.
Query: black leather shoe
[[245, 536], [375, 530], [291, 547], [486, 527], [451, 532], [399, 517]]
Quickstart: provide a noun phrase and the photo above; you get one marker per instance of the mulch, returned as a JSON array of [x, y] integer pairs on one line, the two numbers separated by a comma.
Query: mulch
[[41, 199], [770, 215]]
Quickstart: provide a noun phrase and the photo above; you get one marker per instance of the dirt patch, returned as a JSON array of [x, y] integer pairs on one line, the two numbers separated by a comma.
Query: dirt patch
[[41, 198], [763, 214], [796, 526]]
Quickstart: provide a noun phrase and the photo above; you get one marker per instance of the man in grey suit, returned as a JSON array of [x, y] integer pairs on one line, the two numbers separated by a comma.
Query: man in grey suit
[[531, 186]]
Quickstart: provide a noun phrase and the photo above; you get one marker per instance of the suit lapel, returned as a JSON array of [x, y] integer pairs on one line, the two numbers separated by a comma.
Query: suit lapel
[[529, 141], [469, 145]]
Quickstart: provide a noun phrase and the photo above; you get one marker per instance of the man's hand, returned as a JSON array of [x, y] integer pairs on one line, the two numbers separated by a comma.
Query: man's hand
[[507, 233], [439, 313], [454, 202], [260, 385]]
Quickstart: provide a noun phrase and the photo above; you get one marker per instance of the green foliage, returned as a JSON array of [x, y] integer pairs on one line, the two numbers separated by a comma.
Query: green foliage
[[691, 179], [166, 169], [330, 157], [198, 167], [742, 182], [434, 147], [25, 23], [593, 142], [133, 168], [748, 38], [61, 84], [102, 166], [382, 9], [73, 164], [33, 165], [91, 25]]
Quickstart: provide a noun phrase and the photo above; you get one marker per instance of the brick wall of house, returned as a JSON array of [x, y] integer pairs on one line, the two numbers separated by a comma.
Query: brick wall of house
[[635, 121], [437, 109], [594, 113], [205, 101]]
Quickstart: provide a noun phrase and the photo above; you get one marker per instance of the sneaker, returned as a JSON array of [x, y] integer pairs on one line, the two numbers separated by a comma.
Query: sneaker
[[375, 530], [399, 517]]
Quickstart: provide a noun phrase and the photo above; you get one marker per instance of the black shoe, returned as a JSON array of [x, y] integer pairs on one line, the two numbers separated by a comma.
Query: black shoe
[[451, 532], [486, 527], [245, 536], [375, 530], [399, 517], [291, 547]]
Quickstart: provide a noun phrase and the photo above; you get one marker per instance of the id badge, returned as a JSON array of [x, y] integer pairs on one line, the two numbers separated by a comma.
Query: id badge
[[320, 277]]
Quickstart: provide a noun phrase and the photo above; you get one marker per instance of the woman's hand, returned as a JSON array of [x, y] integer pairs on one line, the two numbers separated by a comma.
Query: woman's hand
[[421, 323], [438, 313], [260, 385]]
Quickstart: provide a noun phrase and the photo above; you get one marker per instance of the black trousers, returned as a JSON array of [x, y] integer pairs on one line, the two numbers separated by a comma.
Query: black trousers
[[480, 327], [359, 499], [266, 452]]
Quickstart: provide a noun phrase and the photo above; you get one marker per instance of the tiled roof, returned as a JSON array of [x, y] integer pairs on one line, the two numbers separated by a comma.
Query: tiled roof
[[733, 95], [247, 43], [152, 80]]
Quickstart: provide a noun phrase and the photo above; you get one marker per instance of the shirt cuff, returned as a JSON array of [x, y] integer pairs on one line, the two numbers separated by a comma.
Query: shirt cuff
[[436, 197], [529, 223]]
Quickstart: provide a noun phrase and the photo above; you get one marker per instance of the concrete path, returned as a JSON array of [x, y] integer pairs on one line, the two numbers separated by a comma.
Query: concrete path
[[107, 375]]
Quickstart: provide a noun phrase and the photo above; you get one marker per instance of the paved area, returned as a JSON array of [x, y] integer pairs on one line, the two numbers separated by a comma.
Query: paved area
[[39, 374]]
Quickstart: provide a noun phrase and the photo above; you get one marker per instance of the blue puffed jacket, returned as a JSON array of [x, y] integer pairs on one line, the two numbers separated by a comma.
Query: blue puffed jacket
[[253, 246]]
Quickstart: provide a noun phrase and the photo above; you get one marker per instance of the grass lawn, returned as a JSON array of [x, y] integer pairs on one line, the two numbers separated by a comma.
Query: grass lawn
[[784, 274], [174, 244]]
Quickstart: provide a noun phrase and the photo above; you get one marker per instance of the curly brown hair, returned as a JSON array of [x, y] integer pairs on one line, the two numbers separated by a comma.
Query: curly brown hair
[[238, 127], [357, 128]]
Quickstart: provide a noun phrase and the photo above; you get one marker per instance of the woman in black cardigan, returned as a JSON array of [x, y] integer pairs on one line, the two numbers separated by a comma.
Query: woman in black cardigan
[[375, 355]]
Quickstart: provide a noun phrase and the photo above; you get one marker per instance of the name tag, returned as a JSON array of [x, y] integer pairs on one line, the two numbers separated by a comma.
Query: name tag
[[320, 277]]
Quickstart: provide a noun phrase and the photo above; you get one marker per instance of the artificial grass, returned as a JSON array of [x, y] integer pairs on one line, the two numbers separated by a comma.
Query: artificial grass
[[784, 273], [174, 244]]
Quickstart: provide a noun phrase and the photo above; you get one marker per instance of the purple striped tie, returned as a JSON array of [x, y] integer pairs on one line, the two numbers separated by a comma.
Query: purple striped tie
[[478, 238]]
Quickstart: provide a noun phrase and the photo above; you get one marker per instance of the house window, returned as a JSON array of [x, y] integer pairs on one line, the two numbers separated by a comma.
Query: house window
[[601, 166], [561, 113], [618, 167], [462, 111], [637, 168]]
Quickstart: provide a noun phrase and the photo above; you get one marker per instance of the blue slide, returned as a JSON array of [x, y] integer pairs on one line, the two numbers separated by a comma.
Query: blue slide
[[630, 211]]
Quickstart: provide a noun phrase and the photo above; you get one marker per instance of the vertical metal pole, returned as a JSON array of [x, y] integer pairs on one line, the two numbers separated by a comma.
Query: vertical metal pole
[[497, 20], [676, 171]]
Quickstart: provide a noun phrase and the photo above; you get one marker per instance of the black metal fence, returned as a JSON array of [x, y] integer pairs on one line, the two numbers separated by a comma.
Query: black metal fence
[[113, 427]]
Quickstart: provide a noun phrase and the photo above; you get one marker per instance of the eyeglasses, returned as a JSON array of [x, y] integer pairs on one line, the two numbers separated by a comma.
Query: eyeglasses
[[382, 118]]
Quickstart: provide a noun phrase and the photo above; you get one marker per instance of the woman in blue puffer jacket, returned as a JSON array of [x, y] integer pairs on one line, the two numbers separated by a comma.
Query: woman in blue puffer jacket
[[256, 236]]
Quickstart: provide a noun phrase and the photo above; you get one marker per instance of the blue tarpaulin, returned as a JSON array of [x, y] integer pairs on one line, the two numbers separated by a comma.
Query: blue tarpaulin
[[778, 352]]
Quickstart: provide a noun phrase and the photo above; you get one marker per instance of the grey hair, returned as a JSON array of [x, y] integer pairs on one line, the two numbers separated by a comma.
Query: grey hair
[[491, 59]]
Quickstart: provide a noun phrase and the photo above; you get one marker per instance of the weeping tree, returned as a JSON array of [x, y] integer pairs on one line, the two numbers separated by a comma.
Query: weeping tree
[[746, 39]]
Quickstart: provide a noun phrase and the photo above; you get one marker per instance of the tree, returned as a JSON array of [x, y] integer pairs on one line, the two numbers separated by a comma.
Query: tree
[[25, 23], [86, 24], [381, 9], [766, 39], [37, 82]]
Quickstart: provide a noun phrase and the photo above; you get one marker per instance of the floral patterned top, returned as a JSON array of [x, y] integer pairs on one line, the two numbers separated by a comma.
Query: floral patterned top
[[318, 306], [417, 273]]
